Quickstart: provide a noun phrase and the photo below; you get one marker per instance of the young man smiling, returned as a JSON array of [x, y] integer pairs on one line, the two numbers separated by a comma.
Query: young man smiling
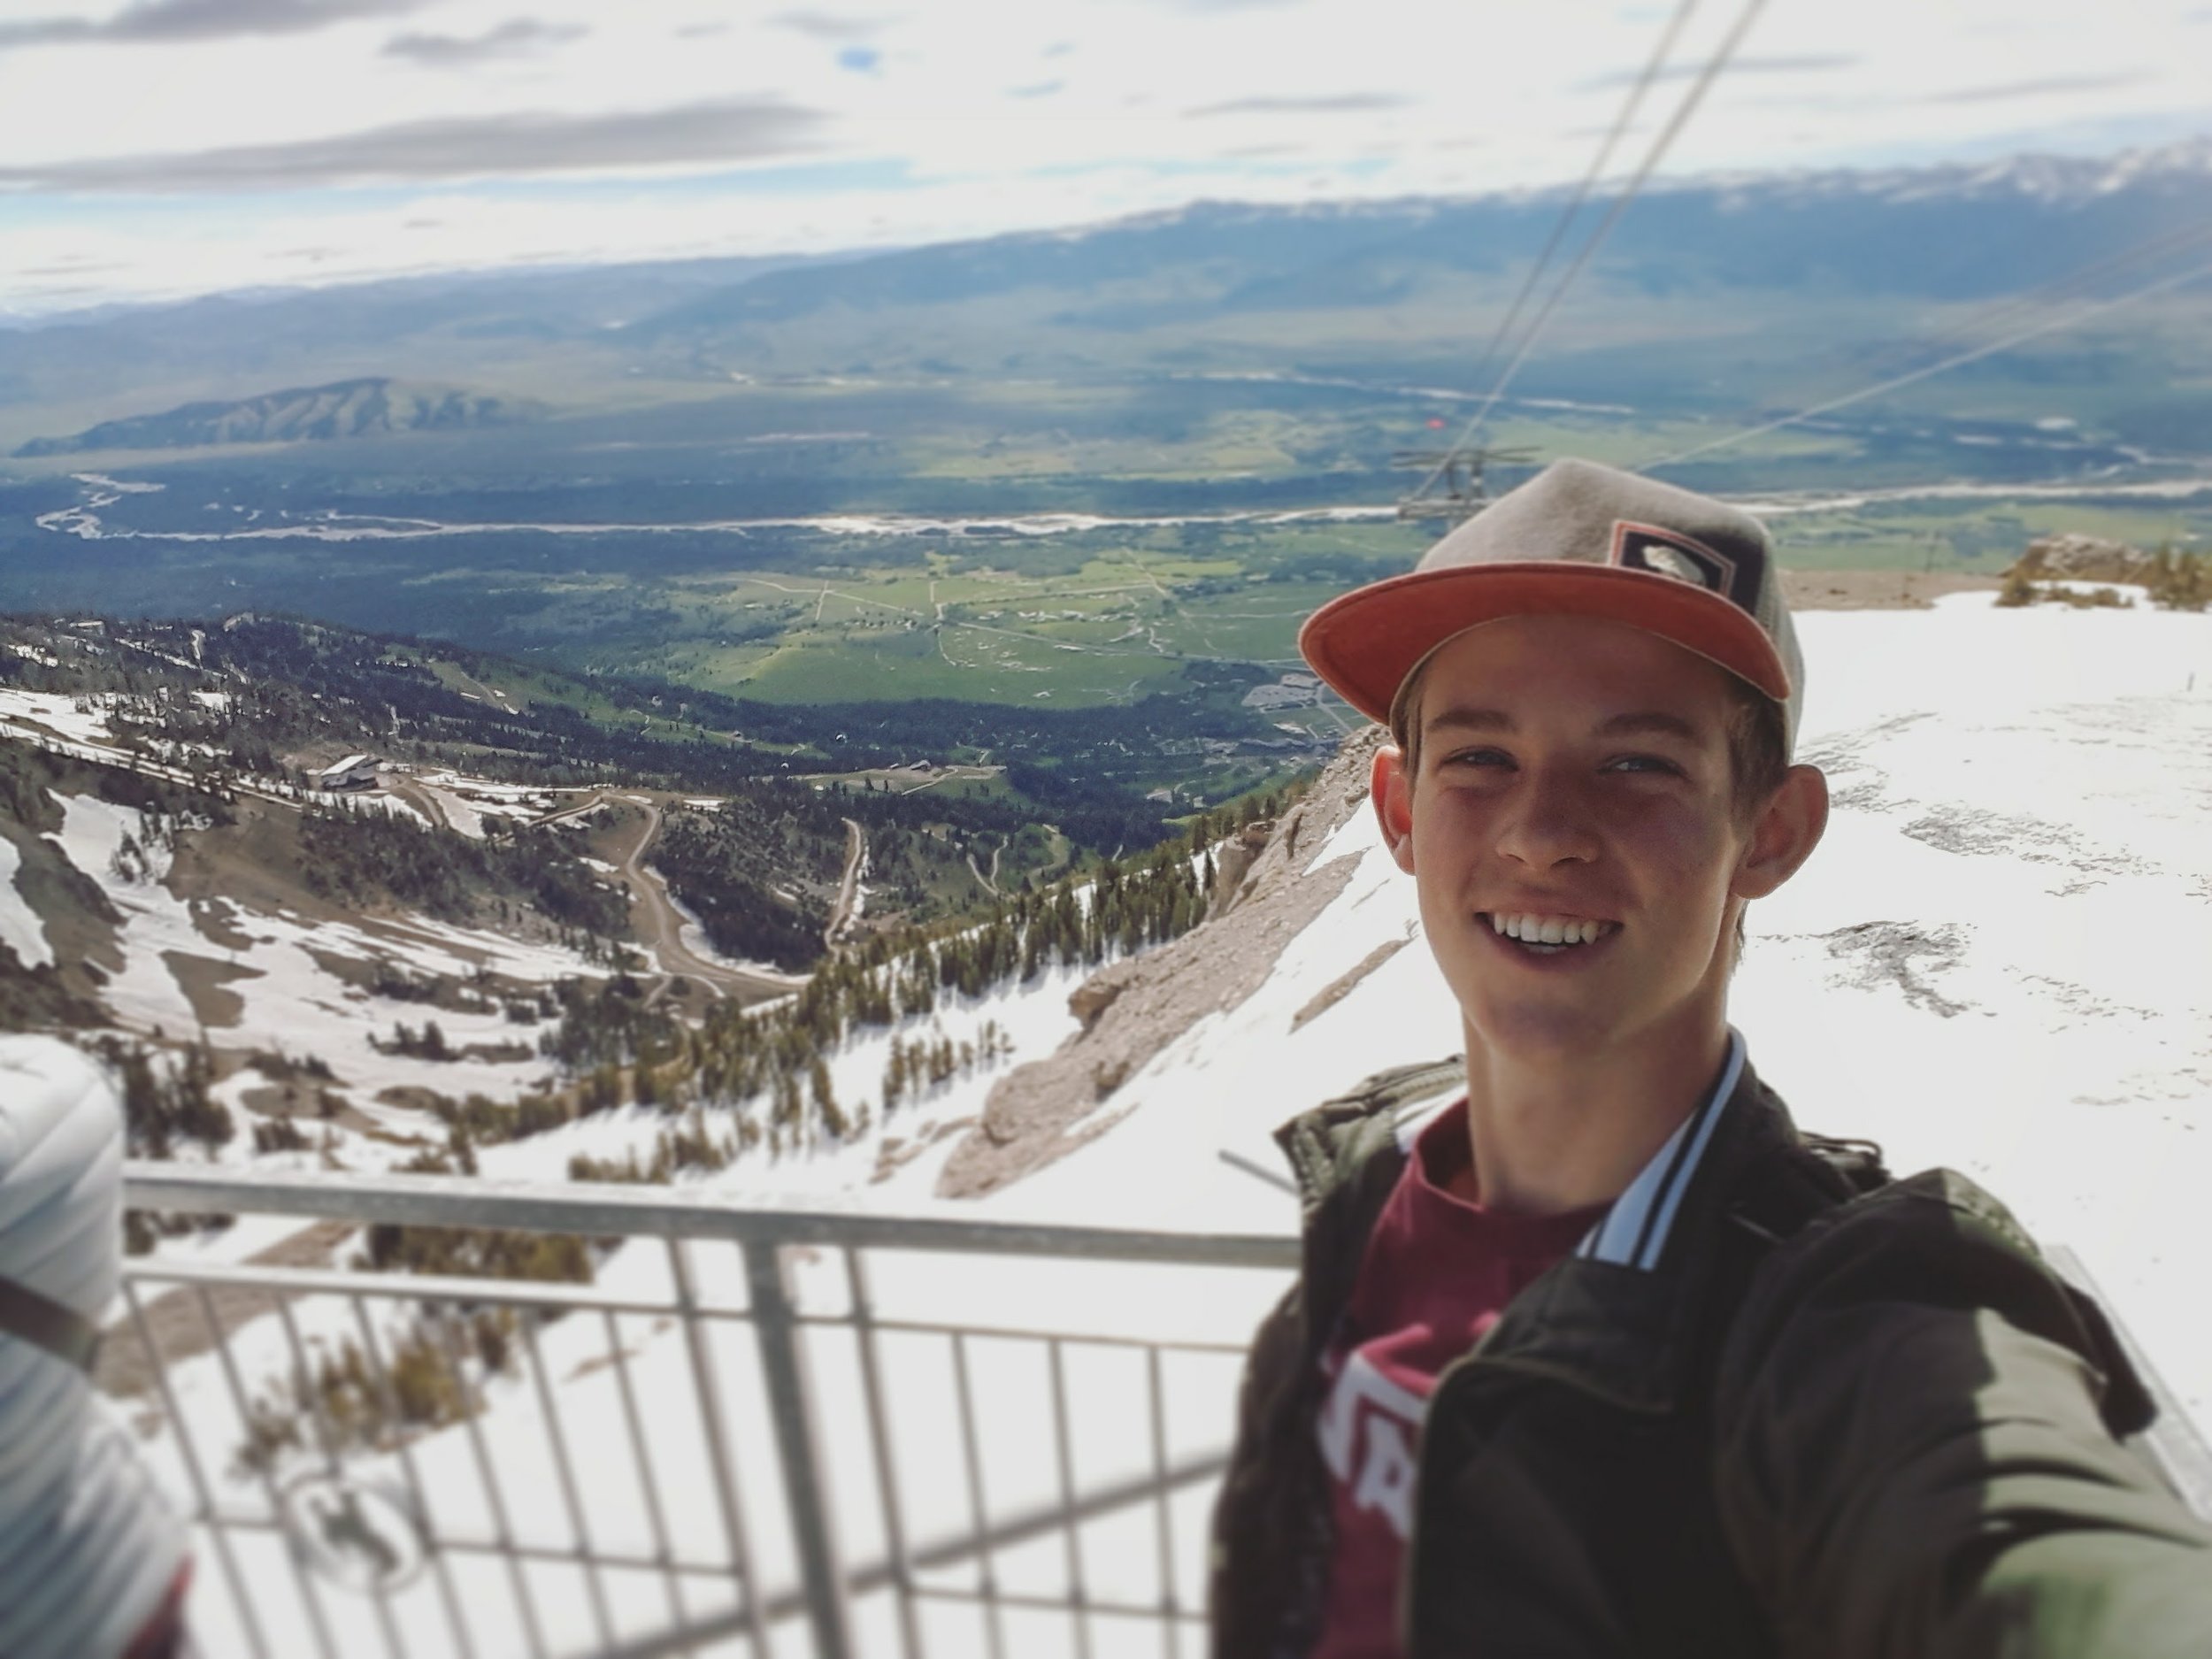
[[1604, 1358]]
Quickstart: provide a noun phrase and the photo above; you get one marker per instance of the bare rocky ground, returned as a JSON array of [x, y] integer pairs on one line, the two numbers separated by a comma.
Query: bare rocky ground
[[188, 1320], [1132, 1009], [1878, 590]]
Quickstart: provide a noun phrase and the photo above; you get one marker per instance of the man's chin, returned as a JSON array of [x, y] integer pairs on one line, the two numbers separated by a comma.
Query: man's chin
[[1540, 1030]]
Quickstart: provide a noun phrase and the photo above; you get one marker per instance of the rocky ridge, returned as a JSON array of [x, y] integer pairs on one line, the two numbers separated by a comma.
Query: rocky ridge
[[1132, 1009]]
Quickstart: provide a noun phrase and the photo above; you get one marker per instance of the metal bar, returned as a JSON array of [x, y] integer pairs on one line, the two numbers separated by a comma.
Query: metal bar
[[1051, 1517], [875, 1576], [928, 1327], [413, 1473], [311, 1592], [440, 1200], [202, 1491], [1157, 1388], [498, 1292], [1048, 1604], [561, 1555], [595, 1586], [441, 1343], [1063, 1460], [642, 1456], [663, 1643], [326, 1432], [799, 1451], [880, 1444], [710, 1396], [866, 1577], [986, 1581]]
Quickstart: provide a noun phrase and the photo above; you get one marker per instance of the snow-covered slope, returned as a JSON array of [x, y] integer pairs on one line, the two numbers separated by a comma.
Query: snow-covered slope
[[2001, 958], [1997, 961]]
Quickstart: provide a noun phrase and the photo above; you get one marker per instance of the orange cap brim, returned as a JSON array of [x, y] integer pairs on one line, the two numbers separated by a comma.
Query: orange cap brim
[[1365, 642]]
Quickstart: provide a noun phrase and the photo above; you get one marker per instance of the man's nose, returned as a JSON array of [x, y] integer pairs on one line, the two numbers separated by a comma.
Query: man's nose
[[1547, 824]]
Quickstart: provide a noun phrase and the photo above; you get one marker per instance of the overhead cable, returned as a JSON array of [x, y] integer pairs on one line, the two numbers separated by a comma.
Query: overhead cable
[[1714, 67], [1629, 106], [2029, 300], [1636, 91], [1960, 360]]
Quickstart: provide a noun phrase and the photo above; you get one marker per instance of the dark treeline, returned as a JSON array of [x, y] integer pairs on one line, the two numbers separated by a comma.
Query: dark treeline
[[166, 1103], [366, 683], [728, 863], [623, 1047], [359, 855]]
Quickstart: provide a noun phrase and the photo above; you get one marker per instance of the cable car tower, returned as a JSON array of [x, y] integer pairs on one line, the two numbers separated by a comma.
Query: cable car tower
[[1452, 484]]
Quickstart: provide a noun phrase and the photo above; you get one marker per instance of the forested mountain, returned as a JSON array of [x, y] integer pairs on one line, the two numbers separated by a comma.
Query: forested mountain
[[347, 409]]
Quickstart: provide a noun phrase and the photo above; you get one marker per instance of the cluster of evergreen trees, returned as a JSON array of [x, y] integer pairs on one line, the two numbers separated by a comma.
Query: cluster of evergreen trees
[[620, 1046], [2179, 582], [919, 1063], [361, 855], [166, 1103], [425, 1385], [2175, 581]]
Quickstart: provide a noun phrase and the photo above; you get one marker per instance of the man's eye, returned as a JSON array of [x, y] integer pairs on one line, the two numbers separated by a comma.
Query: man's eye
[[1641, 762], [1479, 757]]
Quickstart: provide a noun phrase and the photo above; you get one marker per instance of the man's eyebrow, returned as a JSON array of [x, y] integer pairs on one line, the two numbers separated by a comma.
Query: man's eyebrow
[[1650, 723], [1470, 720], [1640, 723]]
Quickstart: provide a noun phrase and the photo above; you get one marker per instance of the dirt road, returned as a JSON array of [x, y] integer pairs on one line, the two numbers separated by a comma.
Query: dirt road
[[848, 885], [660, 926]]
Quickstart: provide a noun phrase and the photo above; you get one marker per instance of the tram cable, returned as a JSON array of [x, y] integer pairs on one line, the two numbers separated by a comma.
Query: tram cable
[[1712, 71], [1958, 360], [2030, 301], [1642, 84]]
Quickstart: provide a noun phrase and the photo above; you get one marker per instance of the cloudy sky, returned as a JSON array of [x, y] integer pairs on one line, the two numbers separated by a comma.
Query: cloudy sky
[[167, 147]]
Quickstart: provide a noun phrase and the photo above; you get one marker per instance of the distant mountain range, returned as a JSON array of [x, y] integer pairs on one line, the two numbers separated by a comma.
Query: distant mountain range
[[1945, 232], [1339, 286], [345, 409]]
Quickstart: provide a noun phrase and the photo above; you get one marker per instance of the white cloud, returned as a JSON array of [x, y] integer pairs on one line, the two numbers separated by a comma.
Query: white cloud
[[974, 115]]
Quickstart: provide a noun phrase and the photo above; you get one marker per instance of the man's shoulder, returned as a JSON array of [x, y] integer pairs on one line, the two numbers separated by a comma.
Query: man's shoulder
[[1936, 1240]]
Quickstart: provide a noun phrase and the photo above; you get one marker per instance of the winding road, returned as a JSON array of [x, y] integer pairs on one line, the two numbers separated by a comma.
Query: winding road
[[848, 885], [660, 926]]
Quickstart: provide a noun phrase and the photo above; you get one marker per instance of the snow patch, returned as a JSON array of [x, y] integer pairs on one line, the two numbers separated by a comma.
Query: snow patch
[[21, 928]]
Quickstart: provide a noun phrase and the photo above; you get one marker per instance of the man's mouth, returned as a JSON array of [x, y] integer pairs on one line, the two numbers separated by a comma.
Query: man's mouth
[[1548, 936]]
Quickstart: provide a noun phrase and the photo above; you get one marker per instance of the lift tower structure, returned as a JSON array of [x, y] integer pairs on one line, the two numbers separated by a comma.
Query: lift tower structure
[[1453, 486]]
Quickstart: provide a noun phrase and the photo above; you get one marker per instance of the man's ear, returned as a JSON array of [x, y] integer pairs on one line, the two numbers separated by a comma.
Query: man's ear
[[1783, 834], [1391, 789]]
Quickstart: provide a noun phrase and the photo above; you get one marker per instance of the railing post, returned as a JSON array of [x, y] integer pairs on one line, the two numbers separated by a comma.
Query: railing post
[[798, 1450]]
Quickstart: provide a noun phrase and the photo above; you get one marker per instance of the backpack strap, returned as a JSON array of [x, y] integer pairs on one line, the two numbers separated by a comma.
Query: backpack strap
[[1406, 1085], [1789, 1188], [44, 1323]]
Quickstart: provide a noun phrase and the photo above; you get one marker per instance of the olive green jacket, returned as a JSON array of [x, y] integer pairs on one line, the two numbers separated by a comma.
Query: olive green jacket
[[1843, 1418]]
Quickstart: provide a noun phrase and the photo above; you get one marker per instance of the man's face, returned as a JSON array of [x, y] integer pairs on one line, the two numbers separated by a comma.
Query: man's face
[[1573, 835]]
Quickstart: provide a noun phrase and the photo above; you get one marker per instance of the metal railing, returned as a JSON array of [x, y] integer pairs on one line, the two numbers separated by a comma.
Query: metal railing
[[817, 1429]]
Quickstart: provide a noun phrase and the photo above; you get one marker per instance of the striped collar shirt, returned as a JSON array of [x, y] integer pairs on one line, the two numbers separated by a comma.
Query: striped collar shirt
[[1634, 1231]]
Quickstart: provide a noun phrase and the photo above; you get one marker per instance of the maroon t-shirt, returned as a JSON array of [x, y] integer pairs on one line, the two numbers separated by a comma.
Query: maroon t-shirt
[[1438, 1270]]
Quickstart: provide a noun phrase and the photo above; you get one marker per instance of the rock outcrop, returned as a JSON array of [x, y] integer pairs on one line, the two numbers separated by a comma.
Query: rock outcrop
[[2082, 558], [1132, 1009]]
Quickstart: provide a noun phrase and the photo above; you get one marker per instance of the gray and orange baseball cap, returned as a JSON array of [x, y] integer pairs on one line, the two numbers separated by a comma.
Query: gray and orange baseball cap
[[1582, 539]]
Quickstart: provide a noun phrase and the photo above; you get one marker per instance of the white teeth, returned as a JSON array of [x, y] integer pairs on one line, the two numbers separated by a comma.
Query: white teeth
[[1542, 930]]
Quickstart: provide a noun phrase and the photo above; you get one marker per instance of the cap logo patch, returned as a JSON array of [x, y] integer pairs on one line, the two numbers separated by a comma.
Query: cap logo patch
[[1682, 558]]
